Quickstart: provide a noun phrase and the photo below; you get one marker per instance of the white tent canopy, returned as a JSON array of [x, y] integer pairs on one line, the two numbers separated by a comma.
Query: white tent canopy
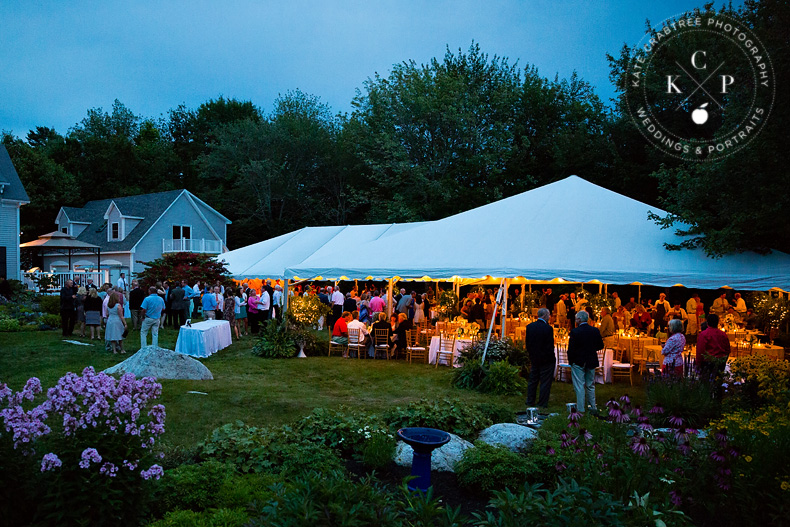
[[570, 230]]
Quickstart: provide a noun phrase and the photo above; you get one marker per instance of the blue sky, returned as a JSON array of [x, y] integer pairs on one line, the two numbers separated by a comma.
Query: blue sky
[[57, 59]]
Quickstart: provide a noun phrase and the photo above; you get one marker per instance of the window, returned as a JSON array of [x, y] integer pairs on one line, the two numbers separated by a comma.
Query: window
[[115, 232], [64, 230], [182, 232]]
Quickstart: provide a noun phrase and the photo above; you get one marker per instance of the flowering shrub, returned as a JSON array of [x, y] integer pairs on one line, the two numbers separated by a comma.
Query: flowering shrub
[[91, 440], [757, 380], [306, 310]]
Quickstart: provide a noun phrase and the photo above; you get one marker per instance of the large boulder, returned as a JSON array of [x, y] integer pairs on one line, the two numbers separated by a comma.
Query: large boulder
[[443, 459], [153, 361], [509, 435]]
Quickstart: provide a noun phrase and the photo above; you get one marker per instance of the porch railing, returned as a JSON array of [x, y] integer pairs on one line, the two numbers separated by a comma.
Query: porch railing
[[199, 245]]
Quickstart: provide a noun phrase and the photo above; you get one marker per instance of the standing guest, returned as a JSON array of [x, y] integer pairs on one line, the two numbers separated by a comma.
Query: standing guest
[[116, 324], [209, 306], [277, 302], [252, 311], [677, 312], [740, 305], [570, 309], [340, 329], [189, 296], [93, 309], [364, 308], [404, 324], [393, 331], [337, 300], [178, 306], [322, 296], [123, 285], [419, 310], [660, 310], [581, 305], [478, 313], [561, 311], [270, 290], [540, 346], [164, 292], [713, 348], [196, 304], [220, 301], [90, 285], [264, 307], [68, 308], [151, 309], [617, 301], [631, 304], [376, 305], [691, 312], [136, 296], [349, 304], [241, 309], [720, 306], [673, 349], [466, 310], [750, 320], [82, 293], [229, 310], [623, 318], [584, 342]]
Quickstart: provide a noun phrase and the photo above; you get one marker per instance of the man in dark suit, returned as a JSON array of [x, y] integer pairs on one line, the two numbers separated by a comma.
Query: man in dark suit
[[540, 346], [178, 306], [584, 342]]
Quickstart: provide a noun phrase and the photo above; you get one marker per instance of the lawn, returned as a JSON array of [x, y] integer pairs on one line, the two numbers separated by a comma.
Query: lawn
[[259, 391]]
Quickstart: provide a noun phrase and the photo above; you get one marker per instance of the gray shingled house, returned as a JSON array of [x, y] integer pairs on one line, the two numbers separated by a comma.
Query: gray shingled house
[[138, 229], [12, 197]]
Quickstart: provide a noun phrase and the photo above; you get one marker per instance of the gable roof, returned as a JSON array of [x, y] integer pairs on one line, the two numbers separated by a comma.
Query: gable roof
[[148, 206], [9, 180]]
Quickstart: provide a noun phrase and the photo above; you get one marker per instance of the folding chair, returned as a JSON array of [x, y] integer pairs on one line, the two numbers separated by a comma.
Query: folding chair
[[446, 350]]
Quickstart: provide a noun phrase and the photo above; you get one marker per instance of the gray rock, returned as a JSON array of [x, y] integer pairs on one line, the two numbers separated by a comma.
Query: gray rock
[[161, 363], [443, 459], [509, 435]]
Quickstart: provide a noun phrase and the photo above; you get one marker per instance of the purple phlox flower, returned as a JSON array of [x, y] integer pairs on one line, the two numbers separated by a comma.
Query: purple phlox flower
[[89, 455], [640, 446], [161, 455], [656, 410], [676, 421], [155, 472], [128, 464], [108, 469], [685, 448], [50, 461], [5, 392]]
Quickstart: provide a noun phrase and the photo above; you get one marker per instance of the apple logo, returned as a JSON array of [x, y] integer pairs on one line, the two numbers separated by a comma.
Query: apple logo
[[700, 115]]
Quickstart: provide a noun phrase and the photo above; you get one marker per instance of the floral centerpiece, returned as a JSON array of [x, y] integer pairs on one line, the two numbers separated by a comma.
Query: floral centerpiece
[[562, 333]]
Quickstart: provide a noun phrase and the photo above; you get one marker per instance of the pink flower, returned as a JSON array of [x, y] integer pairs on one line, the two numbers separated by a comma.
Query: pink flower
[[625, 399], [155, 472], [550, 451], [685, 448], [717, 456], [89, 455], [676, 421], [640, 446], [108, 469], [585, 434], [676, 498], [50, 462]]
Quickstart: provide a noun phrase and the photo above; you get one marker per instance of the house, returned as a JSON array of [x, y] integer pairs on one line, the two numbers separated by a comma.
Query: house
[[139, 229], [12, 197]]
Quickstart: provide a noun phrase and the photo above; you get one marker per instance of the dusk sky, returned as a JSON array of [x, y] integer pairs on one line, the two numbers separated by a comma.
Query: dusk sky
[[60, 58]]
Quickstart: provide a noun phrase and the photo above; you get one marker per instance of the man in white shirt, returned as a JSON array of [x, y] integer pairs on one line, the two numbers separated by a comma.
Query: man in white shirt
[[220, 302], [336, 300], [740, 305], [364, 335], [617, 301], [123, 286], [264, 303], [720, 306], [277, 300]]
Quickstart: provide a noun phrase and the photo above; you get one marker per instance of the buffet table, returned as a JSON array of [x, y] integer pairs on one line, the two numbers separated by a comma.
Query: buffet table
[[204, 338]]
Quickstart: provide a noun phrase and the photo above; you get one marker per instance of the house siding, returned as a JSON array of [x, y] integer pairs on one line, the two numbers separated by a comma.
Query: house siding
[[217, 223], [9, 237], [180, 213]]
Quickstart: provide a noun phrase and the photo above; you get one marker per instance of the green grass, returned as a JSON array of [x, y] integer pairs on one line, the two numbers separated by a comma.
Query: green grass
[[262, 392]]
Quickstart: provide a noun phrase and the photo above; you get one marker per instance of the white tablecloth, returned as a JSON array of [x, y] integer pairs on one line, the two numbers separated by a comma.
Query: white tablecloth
[[608, 359], [434, 348], [204, 338]]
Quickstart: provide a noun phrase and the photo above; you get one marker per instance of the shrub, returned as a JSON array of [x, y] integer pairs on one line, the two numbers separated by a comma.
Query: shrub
[[276, 342], [331, 499], [378, 451], [315, 342], [486, 468], [758, 381], [214, 518], [52, 321], [572, 504], [452, 416], [304, 311], [684, 397], [502, 379], [469, 375], [340, 429], [8, 325], [192, 487], [50, 304]]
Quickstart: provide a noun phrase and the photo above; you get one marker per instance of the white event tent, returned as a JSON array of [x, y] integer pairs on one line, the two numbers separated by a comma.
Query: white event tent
[[571, 231]]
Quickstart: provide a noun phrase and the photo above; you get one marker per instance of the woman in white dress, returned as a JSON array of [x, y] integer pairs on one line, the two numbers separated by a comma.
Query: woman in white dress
[[419, 312], [116, 324]]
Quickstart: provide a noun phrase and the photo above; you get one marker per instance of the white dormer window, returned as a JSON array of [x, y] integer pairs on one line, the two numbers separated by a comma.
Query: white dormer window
[[115, 231]]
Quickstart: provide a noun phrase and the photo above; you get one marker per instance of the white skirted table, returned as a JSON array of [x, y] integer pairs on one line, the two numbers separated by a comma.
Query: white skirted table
[[204, 338], [434, 348]]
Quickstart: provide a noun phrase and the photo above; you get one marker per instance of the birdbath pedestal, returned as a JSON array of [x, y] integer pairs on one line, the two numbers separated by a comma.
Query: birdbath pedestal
[[423, 441]]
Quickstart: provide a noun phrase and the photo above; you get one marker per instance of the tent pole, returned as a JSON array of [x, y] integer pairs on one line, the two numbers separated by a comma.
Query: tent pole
[[497, 304], [522, 298], [503, 325], [389, 299], [639, 297], [600, 289]]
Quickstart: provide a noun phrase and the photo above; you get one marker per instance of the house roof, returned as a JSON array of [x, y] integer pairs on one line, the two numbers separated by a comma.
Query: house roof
[[12, 187], [150, 207]]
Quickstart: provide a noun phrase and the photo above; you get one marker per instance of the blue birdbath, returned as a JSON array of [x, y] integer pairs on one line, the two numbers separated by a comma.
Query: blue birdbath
[[424, 441]]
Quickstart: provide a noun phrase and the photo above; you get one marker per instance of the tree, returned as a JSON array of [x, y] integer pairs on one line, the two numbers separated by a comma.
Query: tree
[[191, 267], [735, 203]]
